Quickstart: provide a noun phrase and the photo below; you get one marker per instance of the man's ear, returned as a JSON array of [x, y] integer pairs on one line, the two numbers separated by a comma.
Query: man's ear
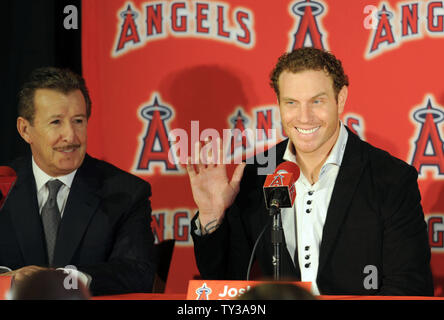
[[23, 126], [342, 98]]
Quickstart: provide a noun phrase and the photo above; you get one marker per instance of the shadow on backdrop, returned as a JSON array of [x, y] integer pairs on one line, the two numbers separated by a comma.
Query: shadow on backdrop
[[204, 93]]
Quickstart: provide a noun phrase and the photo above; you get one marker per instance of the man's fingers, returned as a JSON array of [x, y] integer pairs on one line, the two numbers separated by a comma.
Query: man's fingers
[[210, 154], [206, 156], [195, 153], [220, 151], [195, 156], [190, 168], [175, 155], [237, 175], [214, 153]]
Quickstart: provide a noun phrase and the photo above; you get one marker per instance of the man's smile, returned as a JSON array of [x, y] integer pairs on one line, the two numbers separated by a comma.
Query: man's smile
[[67, 149], [307, 131]]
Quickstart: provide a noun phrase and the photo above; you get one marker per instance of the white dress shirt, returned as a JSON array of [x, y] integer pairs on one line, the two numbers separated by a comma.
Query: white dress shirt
[[309, 211], [41, 178]]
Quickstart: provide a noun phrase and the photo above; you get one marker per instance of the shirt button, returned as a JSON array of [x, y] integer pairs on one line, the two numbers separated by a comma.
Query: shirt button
[[308, 210], [307, 265], [310, 193], [309, 202], [307, 257], [307, 248]]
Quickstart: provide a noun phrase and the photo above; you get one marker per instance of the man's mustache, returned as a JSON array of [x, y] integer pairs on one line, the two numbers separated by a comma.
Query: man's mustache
[[67, 147]]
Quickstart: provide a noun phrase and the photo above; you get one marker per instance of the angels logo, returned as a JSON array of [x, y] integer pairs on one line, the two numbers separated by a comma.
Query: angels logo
[[250, 136], [411, 21], [435, 226], [172, 224], [264, 123], [162, 19], [383, 33], [203, 292], [239, 138], [155, 145], [308, 31], [278, 180], [129, 32], [428, 145], [356, 124]]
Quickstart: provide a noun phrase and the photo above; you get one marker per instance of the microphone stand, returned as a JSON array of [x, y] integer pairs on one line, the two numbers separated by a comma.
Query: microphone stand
[[277, 235]]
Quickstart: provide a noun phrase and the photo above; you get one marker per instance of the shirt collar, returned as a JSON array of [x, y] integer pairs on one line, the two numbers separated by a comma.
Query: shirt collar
[[336, 154], [41, 177]]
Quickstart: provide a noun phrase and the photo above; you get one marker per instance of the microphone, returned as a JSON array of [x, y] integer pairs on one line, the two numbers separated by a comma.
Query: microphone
[[279, 188], [7, 180], [279, 192]]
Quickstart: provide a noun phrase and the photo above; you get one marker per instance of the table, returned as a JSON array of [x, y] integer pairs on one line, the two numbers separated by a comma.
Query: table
[[182, 296]]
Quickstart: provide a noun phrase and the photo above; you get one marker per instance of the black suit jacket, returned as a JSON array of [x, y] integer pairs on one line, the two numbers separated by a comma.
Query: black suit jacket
[[374, 218], [104, 232]]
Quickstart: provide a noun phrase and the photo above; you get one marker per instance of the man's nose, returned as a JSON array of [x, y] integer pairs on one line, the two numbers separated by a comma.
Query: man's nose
[[304, 113], [68, 132]]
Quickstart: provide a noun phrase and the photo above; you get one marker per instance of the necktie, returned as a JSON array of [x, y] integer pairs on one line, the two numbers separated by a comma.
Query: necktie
[[51, 217]]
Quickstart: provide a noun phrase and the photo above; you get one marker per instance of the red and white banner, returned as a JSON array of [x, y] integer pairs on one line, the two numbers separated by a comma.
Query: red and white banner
[[228, 290], [154, 67]]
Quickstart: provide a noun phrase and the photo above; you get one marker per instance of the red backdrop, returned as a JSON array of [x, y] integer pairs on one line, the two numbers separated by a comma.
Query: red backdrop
[[155, 66]]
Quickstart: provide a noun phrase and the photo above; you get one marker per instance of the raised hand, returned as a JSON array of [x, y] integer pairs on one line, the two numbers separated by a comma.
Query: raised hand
[[212, 191]]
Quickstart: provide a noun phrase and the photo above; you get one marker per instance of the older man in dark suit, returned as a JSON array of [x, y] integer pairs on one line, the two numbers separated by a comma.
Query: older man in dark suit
[[357, 225], [67, 208]]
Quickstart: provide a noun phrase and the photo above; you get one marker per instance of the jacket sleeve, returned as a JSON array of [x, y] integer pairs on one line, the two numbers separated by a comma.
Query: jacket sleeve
[[406, 251], [131, 265], [225, 253]]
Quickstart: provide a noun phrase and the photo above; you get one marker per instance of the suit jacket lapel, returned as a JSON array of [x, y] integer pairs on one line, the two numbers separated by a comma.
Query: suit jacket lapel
[[343, 193], [80, 207], [24, 210]]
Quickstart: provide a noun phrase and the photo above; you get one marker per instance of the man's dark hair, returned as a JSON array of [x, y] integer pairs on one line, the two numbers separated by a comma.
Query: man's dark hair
[[62, 80], [308, 58]]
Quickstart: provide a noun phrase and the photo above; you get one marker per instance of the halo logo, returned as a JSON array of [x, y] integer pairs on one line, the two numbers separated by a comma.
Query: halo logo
[[203, 292], [239, 139], [308, 31], [155, 145], [428, 144], [278, 180]]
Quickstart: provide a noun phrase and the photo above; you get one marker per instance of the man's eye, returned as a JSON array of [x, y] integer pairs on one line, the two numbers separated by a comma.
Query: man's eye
[[55, 121]]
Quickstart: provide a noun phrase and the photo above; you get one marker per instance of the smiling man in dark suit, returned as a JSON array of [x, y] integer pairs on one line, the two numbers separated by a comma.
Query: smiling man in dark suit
[[357, 225], [67, 208]]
